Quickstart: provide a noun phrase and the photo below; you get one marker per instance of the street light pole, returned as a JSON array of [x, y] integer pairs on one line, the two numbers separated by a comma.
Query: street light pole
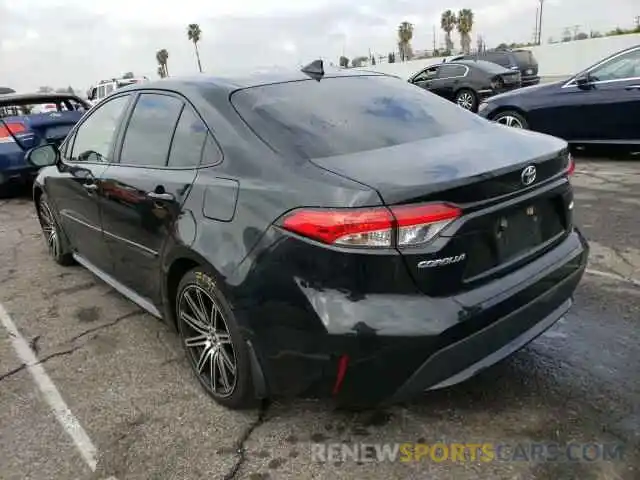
[[540, 23]]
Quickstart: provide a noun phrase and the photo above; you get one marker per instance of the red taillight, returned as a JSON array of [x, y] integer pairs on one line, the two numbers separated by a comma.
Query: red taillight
[[571, 165], [381, 227], [7, 129]]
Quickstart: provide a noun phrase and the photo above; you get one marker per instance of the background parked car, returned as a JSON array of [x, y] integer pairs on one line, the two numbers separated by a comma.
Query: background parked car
[[467, 82], [599, 105], [520, 60], [28, 120]]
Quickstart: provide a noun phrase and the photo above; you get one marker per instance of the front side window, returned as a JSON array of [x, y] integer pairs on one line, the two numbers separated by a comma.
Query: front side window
[[619, 68], [426, 74], [148, 135], [95, 136]]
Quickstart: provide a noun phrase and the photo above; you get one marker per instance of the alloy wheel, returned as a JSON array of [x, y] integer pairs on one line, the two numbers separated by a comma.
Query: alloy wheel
[[207, 340], [510, 121], [49, 229], [465, 100]]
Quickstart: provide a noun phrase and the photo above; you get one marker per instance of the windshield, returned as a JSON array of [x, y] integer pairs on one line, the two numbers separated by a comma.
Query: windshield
[[343, 115]]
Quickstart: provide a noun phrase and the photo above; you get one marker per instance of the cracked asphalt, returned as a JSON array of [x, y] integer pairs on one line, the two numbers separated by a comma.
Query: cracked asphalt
[[123, 375]]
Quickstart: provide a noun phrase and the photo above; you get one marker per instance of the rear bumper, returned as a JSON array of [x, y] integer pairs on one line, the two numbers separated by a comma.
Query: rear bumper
[[399, 346], [527, 81]]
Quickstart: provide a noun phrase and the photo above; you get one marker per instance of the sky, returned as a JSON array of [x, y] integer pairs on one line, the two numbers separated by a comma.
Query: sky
[[78, 42]]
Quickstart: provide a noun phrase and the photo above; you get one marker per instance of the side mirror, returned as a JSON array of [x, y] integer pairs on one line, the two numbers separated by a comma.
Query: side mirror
[[583, 81], [43, 156]]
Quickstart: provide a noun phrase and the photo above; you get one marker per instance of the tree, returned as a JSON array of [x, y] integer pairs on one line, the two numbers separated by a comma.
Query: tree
[[581, 36], [391, 58], [161, 73], [194, 34], [128, 75], [70, 90], [358, 61], [465, 25], [448, 22], [162, 56], [595, 34], [373, 60], [405, 34], [566, 35], [45, 90], [344, 61]]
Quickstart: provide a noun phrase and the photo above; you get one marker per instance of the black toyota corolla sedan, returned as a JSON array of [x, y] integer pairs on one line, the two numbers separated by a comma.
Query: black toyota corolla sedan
[[316, 233]]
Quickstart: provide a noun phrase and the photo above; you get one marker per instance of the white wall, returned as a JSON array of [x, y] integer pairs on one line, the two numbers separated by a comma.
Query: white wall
[[558, 59]]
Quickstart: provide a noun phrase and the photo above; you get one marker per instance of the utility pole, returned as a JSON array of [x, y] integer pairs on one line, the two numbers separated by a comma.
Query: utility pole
[[535, 31], [434, 40], [637, 21], [540, 22]]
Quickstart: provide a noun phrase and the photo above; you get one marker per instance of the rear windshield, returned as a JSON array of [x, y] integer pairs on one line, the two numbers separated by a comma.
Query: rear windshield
[[343, 115], [524, 58]]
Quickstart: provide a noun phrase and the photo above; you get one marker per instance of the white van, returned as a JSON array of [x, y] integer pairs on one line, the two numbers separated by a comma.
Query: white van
[[104, 88]]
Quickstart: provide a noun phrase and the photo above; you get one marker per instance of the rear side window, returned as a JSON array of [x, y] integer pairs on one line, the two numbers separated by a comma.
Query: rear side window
[[148, 135], [448, 71], [345, 115], [188, 140]]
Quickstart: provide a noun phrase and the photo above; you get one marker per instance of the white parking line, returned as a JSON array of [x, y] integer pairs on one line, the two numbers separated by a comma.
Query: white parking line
[[50, 393], [613, 276]]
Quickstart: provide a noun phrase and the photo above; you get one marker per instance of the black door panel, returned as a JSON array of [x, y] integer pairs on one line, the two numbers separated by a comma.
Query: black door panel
[[161, 150], [76, 191]]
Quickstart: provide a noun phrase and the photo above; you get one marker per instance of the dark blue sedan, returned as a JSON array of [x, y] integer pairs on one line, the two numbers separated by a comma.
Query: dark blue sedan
[[599, 105]]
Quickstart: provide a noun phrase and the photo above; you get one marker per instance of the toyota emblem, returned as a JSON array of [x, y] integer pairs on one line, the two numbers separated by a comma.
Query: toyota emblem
[[528, 175]]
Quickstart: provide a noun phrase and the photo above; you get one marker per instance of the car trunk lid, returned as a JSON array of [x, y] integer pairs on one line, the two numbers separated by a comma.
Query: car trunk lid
[[504, 224]]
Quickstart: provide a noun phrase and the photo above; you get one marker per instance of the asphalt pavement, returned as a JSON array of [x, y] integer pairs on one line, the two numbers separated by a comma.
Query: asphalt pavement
[[91, 387]]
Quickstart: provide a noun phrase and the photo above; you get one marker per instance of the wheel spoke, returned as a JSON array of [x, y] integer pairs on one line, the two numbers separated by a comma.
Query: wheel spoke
[[227, 361], [197, 341], [223, 337], [204, 356], [194, 323], [202, 317], [223, 372], [212, 373]]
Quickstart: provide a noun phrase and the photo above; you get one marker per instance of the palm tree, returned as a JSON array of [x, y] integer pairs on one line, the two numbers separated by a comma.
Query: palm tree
[[194, 33], [448, 22], [161, 72], [405, 34], [465, 25], [162, 56]]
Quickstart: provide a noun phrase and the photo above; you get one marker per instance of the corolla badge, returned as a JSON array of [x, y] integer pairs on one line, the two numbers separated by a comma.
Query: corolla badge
[[440, 262], [528, 175]]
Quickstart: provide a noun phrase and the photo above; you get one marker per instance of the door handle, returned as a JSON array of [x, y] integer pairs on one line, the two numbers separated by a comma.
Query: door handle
[[167, 197]]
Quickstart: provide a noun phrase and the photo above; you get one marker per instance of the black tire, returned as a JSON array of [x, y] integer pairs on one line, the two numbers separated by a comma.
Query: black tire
[[53, 234], [467, 99], [199, 287], [511, 118]]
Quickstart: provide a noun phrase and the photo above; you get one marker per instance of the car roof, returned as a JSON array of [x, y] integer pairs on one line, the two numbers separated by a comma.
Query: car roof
[[26, 98], [238, 82]]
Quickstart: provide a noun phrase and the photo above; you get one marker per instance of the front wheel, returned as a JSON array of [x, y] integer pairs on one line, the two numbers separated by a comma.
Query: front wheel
[[467, 99], [212, 340], [512, 119]]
